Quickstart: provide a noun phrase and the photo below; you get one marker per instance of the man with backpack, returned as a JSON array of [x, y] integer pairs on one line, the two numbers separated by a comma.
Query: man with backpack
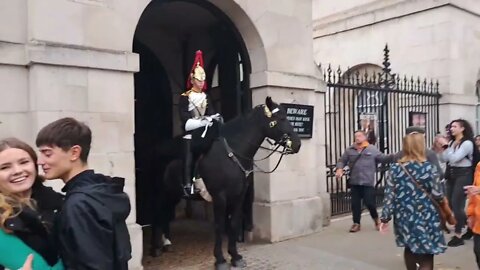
[[90, 229]]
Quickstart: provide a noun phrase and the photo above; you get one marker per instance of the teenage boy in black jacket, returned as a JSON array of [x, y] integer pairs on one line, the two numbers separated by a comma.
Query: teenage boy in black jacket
[[90, 229]]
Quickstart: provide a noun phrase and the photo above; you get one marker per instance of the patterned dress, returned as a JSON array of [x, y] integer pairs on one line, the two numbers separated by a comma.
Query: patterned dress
[[416, 220]]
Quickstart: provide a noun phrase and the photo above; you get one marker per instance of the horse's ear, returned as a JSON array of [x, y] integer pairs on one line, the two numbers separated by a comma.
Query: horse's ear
[[269, 103]]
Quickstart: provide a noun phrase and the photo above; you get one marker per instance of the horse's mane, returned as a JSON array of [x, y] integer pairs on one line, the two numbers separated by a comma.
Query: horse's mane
[[230, 129]]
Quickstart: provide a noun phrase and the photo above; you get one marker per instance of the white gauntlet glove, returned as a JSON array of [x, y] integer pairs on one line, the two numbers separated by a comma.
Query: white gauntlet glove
[[192, 124], [216, 117]]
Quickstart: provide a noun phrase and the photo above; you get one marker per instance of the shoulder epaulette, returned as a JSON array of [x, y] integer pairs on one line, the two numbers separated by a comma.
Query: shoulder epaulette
[[186, 93]]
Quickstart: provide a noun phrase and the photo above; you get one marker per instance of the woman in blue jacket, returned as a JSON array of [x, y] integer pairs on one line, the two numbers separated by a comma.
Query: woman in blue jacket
[[27, 210]]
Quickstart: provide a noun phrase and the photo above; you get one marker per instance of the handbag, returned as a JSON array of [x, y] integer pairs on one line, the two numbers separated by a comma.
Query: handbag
[[443, 208], [350, 169]]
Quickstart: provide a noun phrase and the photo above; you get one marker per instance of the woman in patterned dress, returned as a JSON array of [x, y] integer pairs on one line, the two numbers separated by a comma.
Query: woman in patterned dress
[[416, 220]]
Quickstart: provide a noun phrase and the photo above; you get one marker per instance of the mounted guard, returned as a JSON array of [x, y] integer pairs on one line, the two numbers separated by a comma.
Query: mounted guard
[[197, 115]]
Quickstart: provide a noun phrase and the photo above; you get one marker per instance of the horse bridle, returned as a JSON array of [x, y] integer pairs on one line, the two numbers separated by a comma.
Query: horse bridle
[[285, 141]]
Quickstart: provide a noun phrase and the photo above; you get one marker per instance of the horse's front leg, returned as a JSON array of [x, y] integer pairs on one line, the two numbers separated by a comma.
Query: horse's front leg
[[219, 211], [166, 237], [235, 225]]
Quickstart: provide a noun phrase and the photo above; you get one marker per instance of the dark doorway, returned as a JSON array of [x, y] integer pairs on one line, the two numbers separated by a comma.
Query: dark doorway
[[167, 36]]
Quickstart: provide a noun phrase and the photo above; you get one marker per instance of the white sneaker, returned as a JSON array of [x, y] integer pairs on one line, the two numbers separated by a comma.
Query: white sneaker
[[200, 185]]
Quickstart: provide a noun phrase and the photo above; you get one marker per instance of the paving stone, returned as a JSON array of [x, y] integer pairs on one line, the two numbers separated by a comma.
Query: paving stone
[[332, 249]]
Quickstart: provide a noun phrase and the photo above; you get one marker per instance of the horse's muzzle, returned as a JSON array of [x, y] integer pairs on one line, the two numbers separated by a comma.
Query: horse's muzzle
[[288, 144]]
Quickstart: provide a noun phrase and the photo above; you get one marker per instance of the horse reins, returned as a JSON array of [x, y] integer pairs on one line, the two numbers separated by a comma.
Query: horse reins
[[233, 156]]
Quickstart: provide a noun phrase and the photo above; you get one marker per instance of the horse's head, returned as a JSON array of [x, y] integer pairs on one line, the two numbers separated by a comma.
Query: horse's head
[[276, 126]]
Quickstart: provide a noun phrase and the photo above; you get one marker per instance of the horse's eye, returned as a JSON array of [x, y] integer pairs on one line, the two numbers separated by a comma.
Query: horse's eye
[[273, 123]]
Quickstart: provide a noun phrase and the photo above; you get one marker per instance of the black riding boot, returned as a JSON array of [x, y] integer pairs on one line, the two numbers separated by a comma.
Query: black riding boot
[[187, 168]]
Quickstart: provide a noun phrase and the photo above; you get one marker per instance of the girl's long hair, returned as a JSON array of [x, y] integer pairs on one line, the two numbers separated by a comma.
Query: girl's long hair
[[10, 204], [414, 148], [467, 130]]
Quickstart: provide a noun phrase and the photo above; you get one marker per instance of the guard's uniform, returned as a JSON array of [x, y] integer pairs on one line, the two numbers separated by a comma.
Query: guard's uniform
[[195, 106], [196, 112]]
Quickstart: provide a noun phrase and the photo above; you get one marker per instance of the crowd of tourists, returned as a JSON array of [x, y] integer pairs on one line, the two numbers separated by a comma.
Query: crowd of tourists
[[428, 192]]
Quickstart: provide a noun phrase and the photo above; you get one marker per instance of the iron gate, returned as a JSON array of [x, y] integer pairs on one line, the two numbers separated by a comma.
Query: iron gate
[[381, 103]]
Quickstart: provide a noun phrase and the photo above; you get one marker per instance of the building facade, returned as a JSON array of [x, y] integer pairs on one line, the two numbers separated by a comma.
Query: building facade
[[84, 59], [433, 39]]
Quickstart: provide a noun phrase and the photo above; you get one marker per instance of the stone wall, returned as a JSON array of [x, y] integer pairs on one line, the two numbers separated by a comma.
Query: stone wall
[[325, 8], [68, 62], [433, 39]]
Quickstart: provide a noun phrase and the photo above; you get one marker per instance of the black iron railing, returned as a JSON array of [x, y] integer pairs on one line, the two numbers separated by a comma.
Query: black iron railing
[[383, 104]]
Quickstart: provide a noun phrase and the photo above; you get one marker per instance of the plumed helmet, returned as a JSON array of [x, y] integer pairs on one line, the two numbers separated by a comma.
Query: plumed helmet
[[197, 71]]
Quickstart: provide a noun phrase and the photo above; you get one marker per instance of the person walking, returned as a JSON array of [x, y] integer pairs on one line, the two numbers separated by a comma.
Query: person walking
[[410, 189], [362, 159]]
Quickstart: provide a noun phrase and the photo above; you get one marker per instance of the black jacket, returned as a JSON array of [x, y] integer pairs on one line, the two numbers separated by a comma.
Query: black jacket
[[34, 226], [91, 229]]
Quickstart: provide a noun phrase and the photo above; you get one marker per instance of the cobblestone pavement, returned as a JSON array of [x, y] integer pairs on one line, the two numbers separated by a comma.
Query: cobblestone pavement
[[332, 248]]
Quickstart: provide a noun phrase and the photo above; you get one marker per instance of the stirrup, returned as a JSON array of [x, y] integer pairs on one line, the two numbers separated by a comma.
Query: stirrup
[[187, 190]]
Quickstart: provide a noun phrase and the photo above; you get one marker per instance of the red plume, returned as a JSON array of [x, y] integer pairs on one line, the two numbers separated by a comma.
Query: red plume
[[198, 59]]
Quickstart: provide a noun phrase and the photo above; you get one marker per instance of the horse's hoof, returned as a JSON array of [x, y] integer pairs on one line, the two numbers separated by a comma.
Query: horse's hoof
[[222, 266], [240, 263], [155, 252]]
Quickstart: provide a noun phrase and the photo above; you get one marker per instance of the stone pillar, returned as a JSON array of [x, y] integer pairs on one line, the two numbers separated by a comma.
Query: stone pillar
[[292, 201], [85, 94], [69, 61]]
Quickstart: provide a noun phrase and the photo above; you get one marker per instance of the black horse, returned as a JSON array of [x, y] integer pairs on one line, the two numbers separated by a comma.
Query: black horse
[[225, 168]]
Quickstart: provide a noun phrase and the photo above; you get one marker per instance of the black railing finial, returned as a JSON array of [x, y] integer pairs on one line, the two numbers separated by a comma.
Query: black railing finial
[[386, 60], [387, 78], [329, 73]]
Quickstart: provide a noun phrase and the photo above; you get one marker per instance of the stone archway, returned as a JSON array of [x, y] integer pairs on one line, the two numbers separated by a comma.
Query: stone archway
[[236, 12], [167, 35], [278, 41]]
